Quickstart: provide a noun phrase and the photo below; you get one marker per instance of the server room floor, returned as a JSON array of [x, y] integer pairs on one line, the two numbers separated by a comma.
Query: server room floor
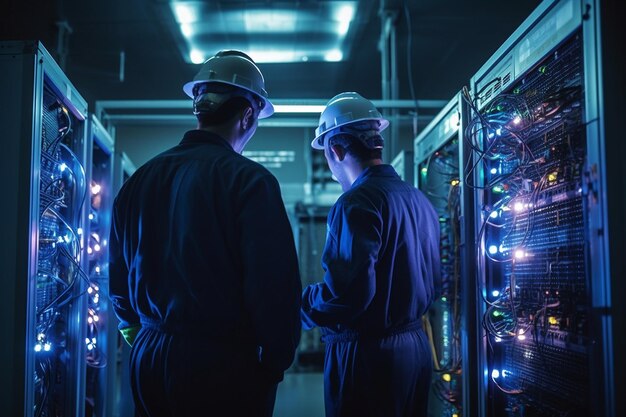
[[300, 394]]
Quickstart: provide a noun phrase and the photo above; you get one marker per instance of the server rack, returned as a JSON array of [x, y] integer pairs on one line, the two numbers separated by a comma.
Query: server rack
[[44, 213], [119, 394], [437, 173], [310, 236], [403, 164], [539, 178], [100, 320]]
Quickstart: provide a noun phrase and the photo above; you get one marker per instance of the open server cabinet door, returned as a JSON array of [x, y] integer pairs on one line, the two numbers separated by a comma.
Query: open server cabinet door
[[100, 321], [437, 173]]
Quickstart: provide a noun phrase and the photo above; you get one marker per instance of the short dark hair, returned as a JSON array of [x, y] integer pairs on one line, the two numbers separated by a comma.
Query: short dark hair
[[355, 147], [224, 113]]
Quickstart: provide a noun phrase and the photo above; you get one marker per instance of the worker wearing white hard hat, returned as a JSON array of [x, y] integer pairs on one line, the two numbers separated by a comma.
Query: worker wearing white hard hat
[[346, 110], [382, 272], [208, 302], [229, 68]]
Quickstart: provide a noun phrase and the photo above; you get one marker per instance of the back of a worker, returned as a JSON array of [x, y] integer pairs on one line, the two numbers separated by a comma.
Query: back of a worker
[[204, 275], [382, 272]]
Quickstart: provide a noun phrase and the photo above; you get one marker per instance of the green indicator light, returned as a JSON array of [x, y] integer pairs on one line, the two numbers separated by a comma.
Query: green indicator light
[[543, 69], [444, 299], [497, 313], [424, 171], [497, 189]]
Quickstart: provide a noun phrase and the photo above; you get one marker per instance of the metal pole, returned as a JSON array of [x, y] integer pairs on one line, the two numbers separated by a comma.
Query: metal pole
[[395, 128]]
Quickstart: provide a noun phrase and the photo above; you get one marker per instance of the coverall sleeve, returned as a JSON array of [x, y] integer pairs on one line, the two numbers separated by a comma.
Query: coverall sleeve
[[349, 259], [118, 277], [271, 283]]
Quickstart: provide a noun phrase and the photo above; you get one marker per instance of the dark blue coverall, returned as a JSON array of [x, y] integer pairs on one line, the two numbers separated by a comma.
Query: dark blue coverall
[[202, 256], [382, 271]]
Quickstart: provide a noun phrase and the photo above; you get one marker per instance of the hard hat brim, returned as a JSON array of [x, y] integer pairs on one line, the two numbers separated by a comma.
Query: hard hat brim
[[384, 123], [266, 111]]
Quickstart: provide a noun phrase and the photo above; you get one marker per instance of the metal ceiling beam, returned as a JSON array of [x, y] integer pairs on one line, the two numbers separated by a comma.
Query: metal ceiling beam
[[103, 106], [127, 119]]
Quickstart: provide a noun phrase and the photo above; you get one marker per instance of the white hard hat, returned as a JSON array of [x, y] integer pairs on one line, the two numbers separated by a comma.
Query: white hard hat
[[345, 109], [234, 68]]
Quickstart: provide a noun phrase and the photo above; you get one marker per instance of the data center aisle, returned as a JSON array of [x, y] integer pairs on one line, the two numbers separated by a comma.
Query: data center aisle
[[300, 395]]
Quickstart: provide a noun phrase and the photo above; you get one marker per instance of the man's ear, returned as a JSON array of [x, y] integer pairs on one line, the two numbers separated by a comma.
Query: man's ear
[[247, 118], [339, 151]]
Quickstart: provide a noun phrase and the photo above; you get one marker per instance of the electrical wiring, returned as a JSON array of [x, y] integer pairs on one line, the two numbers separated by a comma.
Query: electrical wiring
[[71, 256], [60, 300], [429, 187], [42, 378], [444, 392], [62, 194], [441, 185], [96, 358], [524, 169], [63, 131], [61, 231], [506, 390], [493, 182]]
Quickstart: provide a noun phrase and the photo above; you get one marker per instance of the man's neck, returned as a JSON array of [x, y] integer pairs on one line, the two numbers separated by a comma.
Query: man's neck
[[357, 168], [224, 132]]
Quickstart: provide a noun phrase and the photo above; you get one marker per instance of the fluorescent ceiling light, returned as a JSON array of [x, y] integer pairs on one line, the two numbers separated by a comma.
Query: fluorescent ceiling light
[[298, 108], [344, 15], [186, 30], [269, 21], [334, 55], [273, 56], [196, 56], [306, 32], [185, 12], [343, 27]]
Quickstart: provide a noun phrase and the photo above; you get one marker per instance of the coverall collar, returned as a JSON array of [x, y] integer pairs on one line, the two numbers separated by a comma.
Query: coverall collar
[[382, 170], [202, 136]]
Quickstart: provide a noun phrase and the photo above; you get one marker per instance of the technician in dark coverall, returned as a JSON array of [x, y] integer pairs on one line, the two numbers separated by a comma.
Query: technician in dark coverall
[[203, 268], [382, 268]]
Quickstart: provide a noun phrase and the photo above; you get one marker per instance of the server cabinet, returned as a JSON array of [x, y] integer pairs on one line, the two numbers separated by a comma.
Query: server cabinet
[[403, 164], [538, 176], [44, 261], [310, 227], [437, 173], [100, 321]]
